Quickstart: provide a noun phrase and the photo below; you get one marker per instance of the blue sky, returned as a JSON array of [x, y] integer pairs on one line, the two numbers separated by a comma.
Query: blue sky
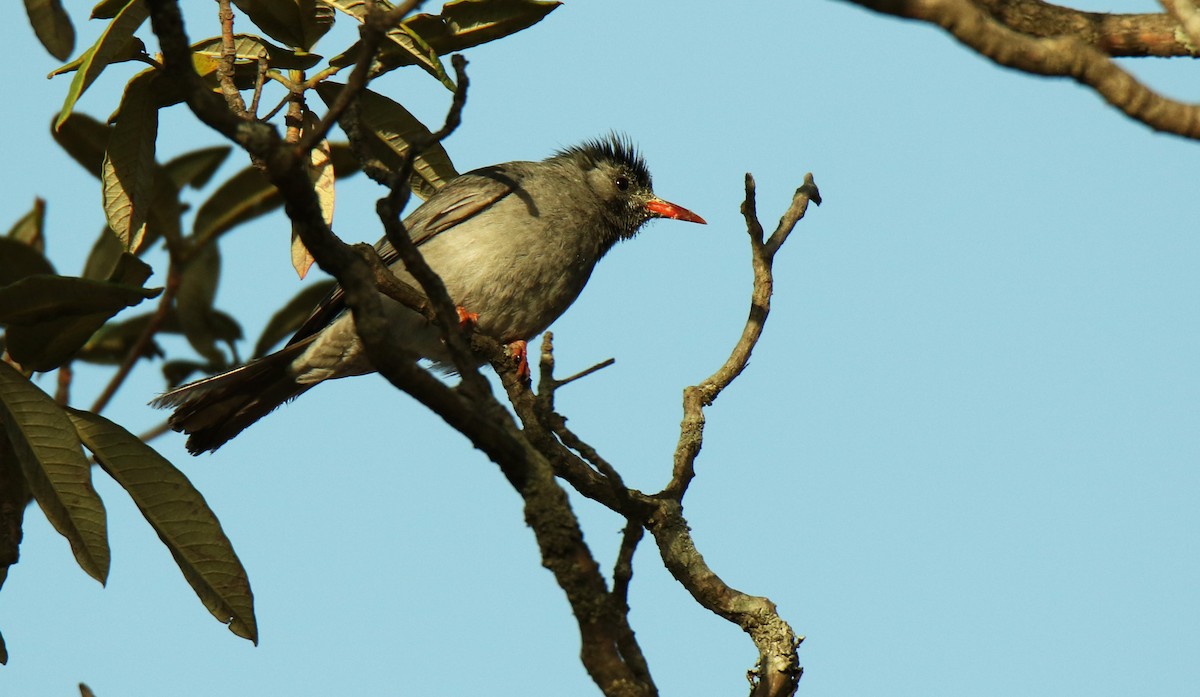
[[963, 459]]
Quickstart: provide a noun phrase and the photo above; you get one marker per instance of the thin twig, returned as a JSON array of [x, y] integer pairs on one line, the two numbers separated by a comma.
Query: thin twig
[[225, 67], [138, 349], [697, 397], [259, 81]]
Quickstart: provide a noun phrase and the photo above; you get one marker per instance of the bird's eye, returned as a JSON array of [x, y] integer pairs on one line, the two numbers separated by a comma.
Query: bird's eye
[[622, 183]]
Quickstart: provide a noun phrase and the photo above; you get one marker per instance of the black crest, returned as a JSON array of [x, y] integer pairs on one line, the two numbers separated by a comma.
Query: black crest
[[616, 148]]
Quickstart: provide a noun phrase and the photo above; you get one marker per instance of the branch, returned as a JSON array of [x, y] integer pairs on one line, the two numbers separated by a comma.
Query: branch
[[1063, 56], [697, 397], [1185, 12], [1118, 35]]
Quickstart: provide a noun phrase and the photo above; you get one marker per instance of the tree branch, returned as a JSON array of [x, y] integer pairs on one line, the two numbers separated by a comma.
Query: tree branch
[[1062, 56], [1118, 35]]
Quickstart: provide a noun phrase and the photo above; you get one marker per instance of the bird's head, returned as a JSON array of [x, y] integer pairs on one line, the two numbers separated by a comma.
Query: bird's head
[[615, 171]]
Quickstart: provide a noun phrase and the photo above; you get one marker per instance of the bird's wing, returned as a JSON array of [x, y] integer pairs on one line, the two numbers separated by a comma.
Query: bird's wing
[[460, 200]]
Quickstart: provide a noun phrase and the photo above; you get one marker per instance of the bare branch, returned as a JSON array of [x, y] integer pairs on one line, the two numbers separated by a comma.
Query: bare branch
[[1185, 12], [1118, 35], [1063, 56], [697, 397], [229, 89]]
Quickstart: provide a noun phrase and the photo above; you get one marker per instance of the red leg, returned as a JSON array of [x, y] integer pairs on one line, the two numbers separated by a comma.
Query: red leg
[[466, 318], [518, 351]]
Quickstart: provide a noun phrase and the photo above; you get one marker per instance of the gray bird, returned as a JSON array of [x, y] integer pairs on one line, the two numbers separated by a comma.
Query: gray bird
[[514, 243]]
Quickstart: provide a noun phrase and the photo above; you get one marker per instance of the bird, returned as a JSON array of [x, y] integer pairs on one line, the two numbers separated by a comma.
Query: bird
[[514, 243]]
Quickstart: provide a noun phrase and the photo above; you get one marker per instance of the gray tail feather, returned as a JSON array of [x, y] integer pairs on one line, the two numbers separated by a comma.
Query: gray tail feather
[[213, 410]]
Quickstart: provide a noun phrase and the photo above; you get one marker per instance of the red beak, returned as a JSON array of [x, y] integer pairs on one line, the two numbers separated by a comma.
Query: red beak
[[665, 209]]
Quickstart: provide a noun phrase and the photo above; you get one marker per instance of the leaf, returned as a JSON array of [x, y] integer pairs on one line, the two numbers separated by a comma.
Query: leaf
[[288, 319], [469, 23], [132, 50], [115, 37], [52, 26], [197, 167], [128, 173], [106, 251], [297, 23], [19, 260], [194, 303], [112, 342], [320, 171], [51, 317], [180, 516], [3, 648], [30, 229], [461, 25], [394, 129], [247, 47], [85, 691], [41, 297], [107, 9], [85, 139], [244, 196], [51, 458], [422, 53]]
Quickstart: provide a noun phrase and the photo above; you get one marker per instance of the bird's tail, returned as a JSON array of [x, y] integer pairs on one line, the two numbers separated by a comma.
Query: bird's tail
[[217, 408]]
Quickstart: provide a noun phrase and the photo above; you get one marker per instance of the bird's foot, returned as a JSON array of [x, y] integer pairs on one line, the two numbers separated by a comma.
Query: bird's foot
[[519, 350], [465, 318]]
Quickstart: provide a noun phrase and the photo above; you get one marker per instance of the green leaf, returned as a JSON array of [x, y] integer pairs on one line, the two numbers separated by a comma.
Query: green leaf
[[197, 167], [194, 303], [51, 317], [461, 25], [248, 47], [180, 516], [244, 196], [85, 139], [18, 260], [468, 23], [133, 49], [422, 53], [391, 129], [116, 36], [128, 173], [288, 319], [297, 23], [112, 342], [105, 254], [107, 9], [31, 228], [52, 26], [52, 460]]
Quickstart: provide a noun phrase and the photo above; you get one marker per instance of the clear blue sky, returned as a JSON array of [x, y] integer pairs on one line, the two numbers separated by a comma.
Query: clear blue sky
[[964, 459]]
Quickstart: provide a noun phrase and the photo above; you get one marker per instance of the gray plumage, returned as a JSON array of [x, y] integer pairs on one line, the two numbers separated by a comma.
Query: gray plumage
[[514, 243]]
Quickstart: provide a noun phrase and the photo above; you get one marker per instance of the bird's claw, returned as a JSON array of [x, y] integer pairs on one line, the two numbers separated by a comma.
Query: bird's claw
[[465, 318], [519, 352]]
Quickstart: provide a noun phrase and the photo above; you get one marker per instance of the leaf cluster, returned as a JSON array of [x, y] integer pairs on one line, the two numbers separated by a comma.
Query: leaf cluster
[[51, 320]]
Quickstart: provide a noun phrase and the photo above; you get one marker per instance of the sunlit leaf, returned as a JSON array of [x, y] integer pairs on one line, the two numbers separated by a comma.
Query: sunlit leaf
[[180, 516], [288, 319], [52, 460], [116, 36], [128, 173], [296, 23], [52, 26], [320, 171], [30, 229], [247, 47], [394, 129]]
